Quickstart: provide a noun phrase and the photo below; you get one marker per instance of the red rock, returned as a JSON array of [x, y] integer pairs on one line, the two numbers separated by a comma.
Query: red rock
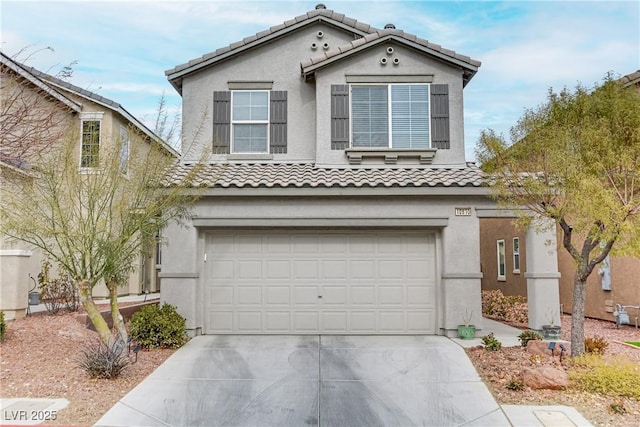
[[542, 348], [545, 377]]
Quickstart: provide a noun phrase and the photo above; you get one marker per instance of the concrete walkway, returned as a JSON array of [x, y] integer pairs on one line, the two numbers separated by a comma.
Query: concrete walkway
[[327, 381]]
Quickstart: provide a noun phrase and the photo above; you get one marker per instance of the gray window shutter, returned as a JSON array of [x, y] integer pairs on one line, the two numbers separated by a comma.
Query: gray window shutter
[[221, 122], [278, 122], [339, 117], [440, 116]]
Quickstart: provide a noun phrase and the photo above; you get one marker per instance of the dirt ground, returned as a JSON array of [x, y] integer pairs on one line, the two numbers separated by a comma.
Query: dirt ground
[[39, 358], [497, 369]]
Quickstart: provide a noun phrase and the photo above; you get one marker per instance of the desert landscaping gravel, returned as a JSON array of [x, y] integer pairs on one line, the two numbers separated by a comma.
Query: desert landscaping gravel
[[39, 355]]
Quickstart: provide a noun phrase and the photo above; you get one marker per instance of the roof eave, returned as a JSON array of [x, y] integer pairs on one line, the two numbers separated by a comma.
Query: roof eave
[[176, 74], [469, 69]]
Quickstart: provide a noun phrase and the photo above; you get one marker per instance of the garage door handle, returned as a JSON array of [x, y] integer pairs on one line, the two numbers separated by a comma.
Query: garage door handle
[[319, 296]]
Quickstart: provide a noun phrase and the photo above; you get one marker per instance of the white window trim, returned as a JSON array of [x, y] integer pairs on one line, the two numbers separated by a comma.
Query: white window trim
[[123, 130], [251, 122], [389, 115], [501, 278], [89, 117], [516, 253]]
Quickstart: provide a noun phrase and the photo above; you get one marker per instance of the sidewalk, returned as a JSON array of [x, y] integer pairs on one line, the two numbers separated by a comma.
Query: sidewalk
[[522, 415], [128, 298]]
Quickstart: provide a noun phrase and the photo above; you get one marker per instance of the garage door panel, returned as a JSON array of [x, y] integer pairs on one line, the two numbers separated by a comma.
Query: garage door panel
[[249, 321], [363, 295], [334, 321], [305, 322], [308, 282], [392, 295], [392, 322], [305, 269], [333, 269], [334, 295], [249, 295], [278, 295]]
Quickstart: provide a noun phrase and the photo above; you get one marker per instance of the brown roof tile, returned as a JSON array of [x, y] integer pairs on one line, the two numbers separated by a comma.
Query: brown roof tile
[[283, 175]]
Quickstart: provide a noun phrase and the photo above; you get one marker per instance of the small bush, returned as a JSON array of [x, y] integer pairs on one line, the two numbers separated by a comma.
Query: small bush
[[512, 308], [103, 361], [57, 293], [158, 327], [596, 344], [618, 376], [3, 326], [515, 384], [491, 343], [527, 336]]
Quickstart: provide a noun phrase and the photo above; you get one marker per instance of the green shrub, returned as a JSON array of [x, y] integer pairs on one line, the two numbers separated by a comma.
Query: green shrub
[[162, 327], [103, 361], [527, 336], [3, 326], [596, 344], [491, 343], [512, 308], [515, 384], [617, 376]]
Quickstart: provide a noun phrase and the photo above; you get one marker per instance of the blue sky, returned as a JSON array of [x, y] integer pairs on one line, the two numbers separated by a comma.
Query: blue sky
[[122, 48]]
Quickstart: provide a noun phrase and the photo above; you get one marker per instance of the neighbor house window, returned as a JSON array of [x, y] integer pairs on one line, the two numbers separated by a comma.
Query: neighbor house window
[[516, 255], [501, 261], [90, 145], [250, 121], [390, 116], [124, 151]]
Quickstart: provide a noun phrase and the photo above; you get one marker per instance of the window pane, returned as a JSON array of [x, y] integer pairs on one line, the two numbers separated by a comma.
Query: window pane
[[250, 105], [90, 148], [370, 123], [501, 259], [124, 150], [250, 138], [410, 116]]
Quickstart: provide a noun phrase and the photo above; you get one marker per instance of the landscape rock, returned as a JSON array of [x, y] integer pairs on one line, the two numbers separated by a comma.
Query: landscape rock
[[542, 348], [545, 377]]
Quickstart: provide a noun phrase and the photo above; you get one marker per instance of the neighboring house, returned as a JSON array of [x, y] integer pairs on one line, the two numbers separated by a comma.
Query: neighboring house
[[336, 198], [616, 281], [100, 122]]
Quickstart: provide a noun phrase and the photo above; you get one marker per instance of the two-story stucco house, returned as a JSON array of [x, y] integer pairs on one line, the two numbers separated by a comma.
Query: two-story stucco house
[[36, 103], [336, 199]]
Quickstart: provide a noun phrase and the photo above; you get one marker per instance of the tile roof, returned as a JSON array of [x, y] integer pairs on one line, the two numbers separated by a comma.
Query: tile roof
[[277, 30], [283, 175], [62, 84], [630, 79], [386, 34], [367, 32]]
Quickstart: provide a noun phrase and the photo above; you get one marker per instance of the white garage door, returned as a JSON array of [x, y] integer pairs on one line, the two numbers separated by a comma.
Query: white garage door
[[318, 282]]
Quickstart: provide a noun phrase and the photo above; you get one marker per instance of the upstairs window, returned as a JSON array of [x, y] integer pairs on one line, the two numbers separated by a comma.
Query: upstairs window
[[90, 145], [390, 116], [250, 121]]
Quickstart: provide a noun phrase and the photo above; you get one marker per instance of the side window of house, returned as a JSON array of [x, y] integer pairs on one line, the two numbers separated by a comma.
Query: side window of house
[[516, 255], [250, 122], [124, 151], [502, 267], [90, 144], [401, 116]]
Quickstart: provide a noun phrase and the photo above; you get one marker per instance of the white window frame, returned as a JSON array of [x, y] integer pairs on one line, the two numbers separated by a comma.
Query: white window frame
[[516, 255], [250, 122], [125, 144], [389, 112], [503, 256], [90, 117]]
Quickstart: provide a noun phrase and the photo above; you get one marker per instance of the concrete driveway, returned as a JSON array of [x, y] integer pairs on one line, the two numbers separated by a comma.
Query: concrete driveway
[[311, 381]]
